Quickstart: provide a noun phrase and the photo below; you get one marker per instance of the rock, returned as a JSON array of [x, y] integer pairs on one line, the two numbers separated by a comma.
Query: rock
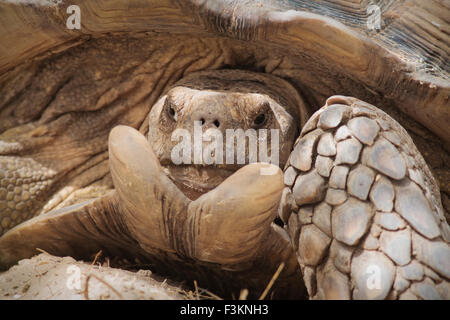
[[364, 129], [350, 220], [338, 177], [309, 188], [301, 156], [435, 254], [426, 290], [413, 271], [385, 158], [335, 197], [312, 245], [333, 284], [348, 151], [373, 274], [326, 146], [341, 255], [397, 246], [321, 217], [47, 277], [412, 205], [342, 133], [289, 176], [400, 283], [305, 215], [390, 221], [323, 166], [382, 194], [359, 181], [332, 116]]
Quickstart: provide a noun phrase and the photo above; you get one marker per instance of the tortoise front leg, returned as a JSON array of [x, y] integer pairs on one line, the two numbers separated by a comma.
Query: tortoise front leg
[[364, 213], [79, 230], [153, 207], [229, 228], [226, 225]]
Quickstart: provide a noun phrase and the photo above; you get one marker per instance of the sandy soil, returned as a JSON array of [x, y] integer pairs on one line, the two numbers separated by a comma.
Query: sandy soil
[[49, 277]]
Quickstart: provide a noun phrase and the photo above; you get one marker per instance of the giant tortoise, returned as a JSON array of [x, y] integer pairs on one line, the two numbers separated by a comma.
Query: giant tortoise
[[87, 118]]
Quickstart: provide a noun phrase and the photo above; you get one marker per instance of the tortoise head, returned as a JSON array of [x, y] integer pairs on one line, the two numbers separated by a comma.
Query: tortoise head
[[210, 124]]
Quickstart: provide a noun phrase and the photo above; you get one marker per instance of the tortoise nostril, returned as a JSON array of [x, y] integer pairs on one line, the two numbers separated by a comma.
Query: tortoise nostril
[[216, 123], [202, 120]]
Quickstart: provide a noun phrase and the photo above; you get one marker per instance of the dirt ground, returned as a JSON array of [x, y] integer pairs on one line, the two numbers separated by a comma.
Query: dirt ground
[[45, 277]]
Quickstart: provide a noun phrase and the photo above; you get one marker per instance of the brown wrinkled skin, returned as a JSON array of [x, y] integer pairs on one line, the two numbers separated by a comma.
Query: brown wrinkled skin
[[63, 91]]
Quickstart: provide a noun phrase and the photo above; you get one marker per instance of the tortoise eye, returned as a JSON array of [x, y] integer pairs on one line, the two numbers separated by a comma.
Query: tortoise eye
[[171, 111], [259, 121]]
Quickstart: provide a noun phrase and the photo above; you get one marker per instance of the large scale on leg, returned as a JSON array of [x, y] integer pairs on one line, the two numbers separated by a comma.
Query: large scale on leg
[[363, 210]]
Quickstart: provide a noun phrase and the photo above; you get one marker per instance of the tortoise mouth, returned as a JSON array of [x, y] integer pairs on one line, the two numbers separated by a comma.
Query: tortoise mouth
[[196, 180]]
